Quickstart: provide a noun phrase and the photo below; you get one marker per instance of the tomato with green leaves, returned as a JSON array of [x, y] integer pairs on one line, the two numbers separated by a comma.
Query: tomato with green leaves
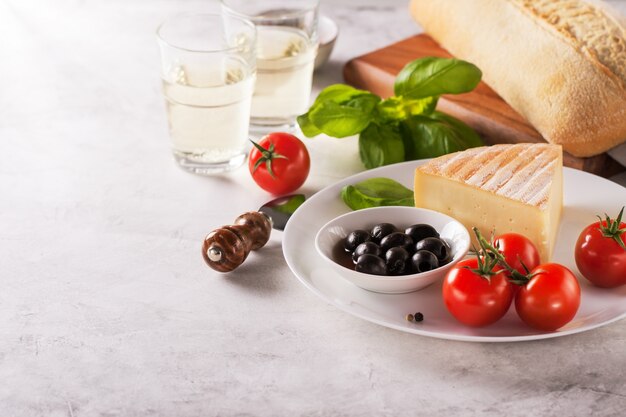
[[548, 296], [477, 292], [279, 163], [600, 252], [549, 299], [519, 252]]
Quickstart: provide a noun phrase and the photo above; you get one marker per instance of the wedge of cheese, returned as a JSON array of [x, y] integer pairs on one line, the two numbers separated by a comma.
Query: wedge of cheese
[[506, 188]]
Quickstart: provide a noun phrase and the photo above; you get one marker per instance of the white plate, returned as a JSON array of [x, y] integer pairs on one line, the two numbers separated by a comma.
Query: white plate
[[585, 195]]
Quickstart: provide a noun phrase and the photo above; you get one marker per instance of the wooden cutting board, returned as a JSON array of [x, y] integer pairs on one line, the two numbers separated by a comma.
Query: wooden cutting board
[[482, 109]]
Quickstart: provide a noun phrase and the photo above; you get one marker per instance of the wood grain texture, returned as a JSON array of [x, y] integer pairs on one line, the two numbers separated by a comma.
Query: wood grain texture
[[482, 109]]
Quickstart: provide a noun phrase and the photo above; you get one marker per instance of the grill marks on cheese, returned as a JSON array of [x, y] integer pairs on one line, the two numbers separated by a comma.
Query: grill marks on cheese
[[521, 172], [588, 28], [502, 188]]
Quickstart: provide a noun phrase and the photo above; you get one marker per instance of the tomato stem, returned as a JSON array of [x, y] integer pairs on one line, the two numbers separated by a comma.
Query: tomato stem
[[267, 156], [485, 265], [490, 251], [612, 230]]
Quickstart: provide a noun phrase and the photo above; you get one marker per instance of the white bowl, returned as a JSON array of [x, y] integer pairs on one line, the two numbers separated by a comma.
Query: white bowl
[[452, 231], [328, 31]]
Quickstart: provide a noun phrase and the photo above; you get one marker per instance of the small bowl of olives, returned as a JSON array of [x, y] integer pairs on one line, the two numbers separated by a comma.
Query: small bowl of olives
[[392, 249]]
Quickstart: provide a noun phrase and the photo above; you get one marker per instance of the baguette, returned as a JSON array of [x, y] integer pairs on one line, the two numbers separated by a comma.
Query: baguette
[[560, 63]]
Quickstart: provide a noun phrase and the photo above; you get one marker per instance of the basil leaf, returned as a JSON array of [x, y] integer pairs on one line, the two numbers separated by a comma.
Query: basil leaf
[[339, 93], [380, 145], [398, 108], [439, 134], [306, 126], [347, 119], [376, 192], [289, 206], [434, 76], [472, 139]]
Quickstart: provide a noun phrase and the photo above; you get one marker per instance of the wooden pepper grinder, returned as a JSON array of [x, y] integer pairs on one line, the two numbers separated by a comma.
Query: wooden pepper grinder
[[226, 248]]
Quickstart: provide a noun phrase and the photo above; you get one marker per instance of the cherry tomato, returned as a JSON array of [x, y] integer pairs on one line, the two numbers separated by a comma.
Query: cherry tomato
[[473, 299], [599, 256], [550, 299], [517, 250], [279, 163]]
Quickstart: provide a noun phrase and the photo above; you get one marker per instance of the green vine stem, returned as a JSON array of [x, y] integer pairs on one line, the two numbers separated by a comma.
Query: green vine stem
[[612, 229], [489, 251]]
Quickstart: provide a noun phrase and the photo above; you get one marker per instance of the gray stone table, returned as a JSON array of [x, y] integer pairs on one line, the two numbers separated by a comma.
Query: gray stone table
[[106, 308]]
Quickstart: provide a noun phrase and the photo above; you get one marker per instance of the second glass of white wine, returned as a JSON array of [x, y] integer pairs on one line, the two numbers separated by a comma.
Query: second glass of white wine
[[286, 48]]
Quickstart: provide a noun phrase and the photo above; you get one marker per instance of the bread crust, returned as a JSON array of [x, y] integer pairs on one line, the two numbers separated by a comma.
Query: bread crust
[[555, 82]]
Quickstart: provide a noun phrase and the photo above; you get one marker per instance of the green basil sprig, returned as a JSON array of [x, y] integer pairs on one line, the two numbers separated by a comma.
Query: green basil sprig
[[403, 127]]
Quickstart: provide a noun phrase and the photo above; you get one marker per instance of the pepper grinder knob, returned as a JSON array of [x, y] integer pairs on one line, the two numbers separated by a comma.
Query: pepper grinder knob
[[226, 248]]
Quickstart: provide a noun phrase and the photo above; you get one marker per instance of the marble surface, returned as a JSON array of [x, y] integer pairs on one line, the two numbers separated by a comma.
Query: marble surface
[[106, 308]]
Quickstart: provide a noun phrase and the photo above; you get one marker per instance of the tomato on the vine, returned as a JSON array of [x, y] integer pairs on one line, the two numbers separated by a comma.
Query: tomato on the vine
[[474, 297], [279, 163], [550, 299], [518, 251], [600, 252]]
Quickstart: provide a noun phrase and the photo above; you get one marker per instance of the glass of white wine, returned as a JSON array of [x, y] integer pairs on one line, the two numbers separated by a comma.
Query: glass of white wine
[[208, 69], [287, 44]]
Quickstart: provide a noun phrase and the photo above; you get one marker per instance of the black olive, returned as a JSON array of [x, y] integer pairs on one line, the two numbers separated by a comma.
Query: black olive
[[447, 259], [381, 230], [437, 246], [396, 258], [370, 248], [423, 261], [355, 238], [395, 239], [370, 264], [421, 231]]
